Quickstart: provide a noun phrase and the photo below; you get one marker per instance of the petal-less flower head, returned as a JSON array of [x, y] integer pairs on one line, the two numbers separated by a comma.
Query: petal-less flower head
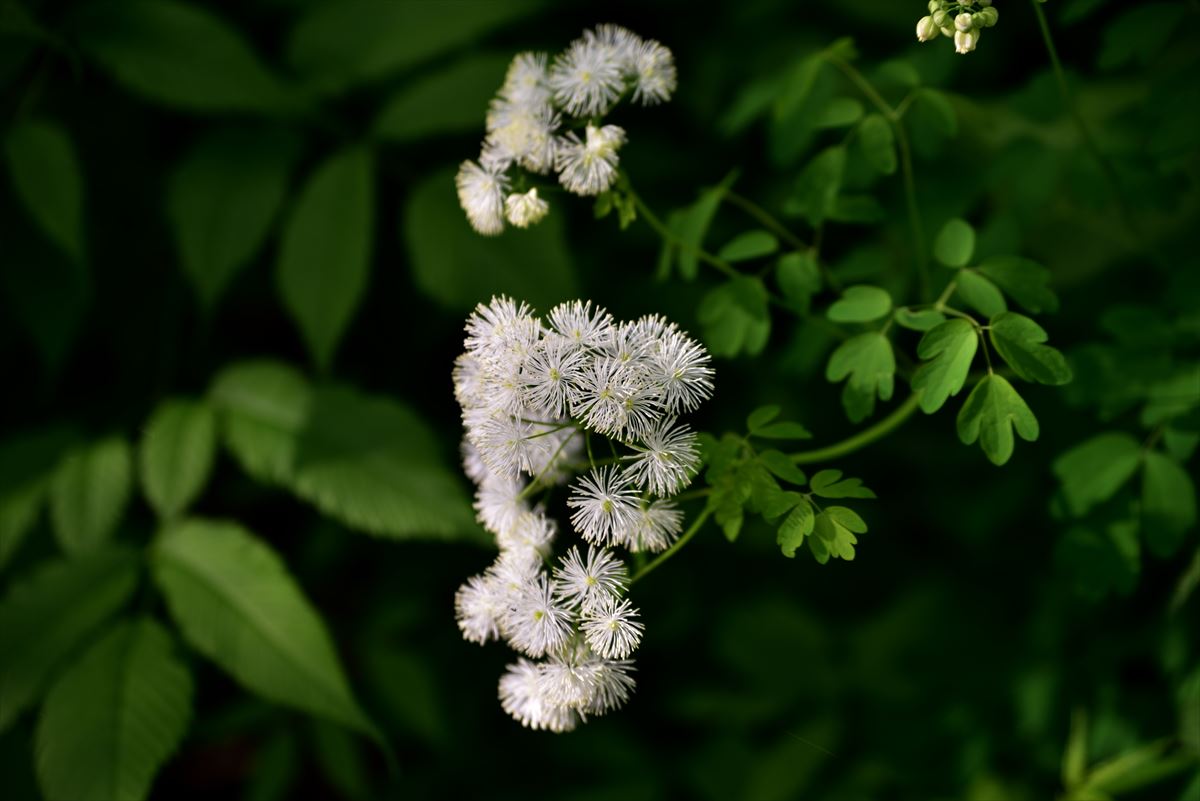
[[589, 167], [666, 460], [680, 366], [605, 505], [657, 526], [654, 73], [481, 195], [526, 208], [582, 324], [527, 81], [535, 623], [479, 606], [612, 628], [588, 77], [583, 583], [523, 696], [551, 375]]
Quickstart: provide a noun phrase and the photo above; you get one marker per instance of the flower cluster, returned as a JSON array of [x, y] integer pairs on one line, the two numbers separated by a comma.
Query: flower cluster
[[529, 121], [963, 21], [539, 398]]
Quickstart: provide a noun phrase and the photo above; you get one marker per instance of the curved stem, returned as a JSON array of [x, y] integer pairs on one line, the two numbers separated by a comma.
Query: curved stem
[[766, 219], [670, 236], [682, 541], [862, 438]]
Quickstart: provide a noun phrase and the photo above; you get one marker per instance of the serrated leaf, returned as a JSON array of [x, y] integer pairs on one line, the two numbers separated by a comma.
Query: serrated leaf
[[44, 618], [795, 527], [89, 493], [446, 102], [175, 457], [369, 462], [1019, 341], [818, 186], [761, 416], [870, 364], [955, 243], [830, 484], [860, 304], [180, 55], [949, 349], [1025, 281], [735, 318], [325, 254], [799, 278], [980, 294], [47, 178], [223, 199], [921, 320], [236, 603], [1094, 470], [784, 430], [130, 692], [749, 245], [1168, 503], [992, 411], [878, 143], [782, 466]]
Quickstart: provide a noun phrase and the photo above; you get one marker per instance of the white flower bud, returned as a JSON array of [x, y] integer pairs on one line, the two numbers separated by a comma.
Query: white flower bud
[[948, 32], [934, 5], [926, 29], [965, 41], [941, 18], [985, 3], [524, 210], [988, 16], [963, 22]]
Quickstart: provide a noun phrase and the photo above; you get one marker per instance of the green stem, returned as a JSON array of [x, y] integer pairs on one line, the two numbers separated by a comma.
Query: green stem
[[670, 237], [682, 541], [863, 438], [766, 219]]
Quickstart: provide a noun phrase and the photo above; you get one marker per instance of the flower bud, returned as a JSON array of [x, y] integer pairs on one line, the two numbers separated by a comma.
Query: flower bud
[[941, 19], [934, 5], [965, 41], [949, 32], [989, 16], [985, 3], [926, 30], [524, 210], [963, 22]]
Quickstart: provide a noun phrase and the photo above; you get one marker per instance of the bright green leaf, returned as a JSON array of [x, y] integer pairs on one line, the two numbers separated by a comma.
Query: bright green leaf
[[992, 411], [1025, 281], [955, 243], [750, 245], [870, 364], [860, 304], [949, 349], [129, 692], [89, 493], [830, 484], [47, 178], [175, 457], [446, 102], [1019, 340], [785, 430], [795, 527], [1093, 471], [834, 530], [1168, 503], [782, 466], [735, 318], [921, 320], [761, 416], [325, 254], [980, 294], [878, 143]]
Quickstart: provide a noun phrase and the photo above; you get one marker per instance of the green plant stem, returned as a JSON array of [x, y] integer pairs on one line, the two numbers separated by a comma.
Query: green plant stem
[[682, 541], [863, 438], [766, 219], [669, 236]]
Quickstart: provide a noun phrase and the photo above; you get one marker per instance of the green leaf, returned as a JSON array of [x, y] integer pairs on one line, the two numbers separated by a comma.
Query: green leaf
[[785, 430], [940, 112], [992, 411], [870, 364], [1094, 470], [1019, 340], [799, 278], [830, 484], [1168, 503], [860, 304], [341, 761], [818, 186], [761, 416], [175, 457], [180, 55], [980, 294], [693, 225], [448, 101], [1025, 281], [782, 466], [949, 349], [857, 209], [1074, 762], [325, 254], [735, 318], [89, 493], [840, 112], [235, 602], [27, 463], [921, 320], [457, 267], [46, 617], [1101, 563], [749, 245], [878, 143], [834, 530], [129, 692], [223, 199], [804, 90], [46, 176], [795, 527], [367, 461], [955, 243], [336, 46]]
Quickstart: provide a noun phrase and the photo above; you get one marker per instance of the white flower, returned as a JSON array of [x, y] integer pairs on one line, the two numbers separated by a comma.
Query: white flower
[[563, 449], [605, 505], [654, 73], [584, 583], [587, 79], [524, 210], [656, 527], [481, 195], [926, 29], [612, 685], [589, 167], [527, 80], [612, 628], [568, 678], [479, 606], [666, 459], [963, 22], [501, 330], [582, 325], [468, 378], [529, 538], [522, 696], [535, 623], [473, 465], [520, 133], [964, 42], [498, 503], [614, 398], [551, 374], [679, 366], [508, 444]]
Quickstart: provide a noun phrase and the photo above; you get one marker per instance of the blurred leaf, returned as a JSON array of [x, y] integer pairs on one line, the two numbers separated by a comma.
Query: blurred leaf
[[341, 761], [830, 484], [45, 618], [857, 209], [47, 178], [27, 463], [1099, 564], [180, 55], [1139, 35], [992, 411], [954, 244], [458, 268], [878, 143], [761, 416], [453, 100], [817, 187], [979, 293], [46, 292], [1075, 757], [408, 692], [1168, 503], [1094, 470], [369, 462], [840, 112], [921, 320], [276, 766], [175, 457], [222, 200], [128, 692], [325, 253], [735, 318], [799, 278], [870, 364], [693, 225], [748, 246], [932, 120], [89, 493], [1024, 281], [338, 45], [949, 349], [236, 603], [1020, 341], [860, 304], [783, 430]]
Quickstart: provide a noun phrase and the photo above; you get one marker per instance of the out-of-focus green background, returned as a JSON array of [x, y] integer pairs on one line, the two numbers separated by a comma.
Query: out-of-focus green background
[[943, 662]]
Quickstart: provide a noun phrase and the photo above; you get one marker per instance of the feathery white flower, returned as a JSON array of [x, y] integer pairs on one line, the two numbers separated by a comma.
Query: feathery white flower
[[481, 195], [680, 366], [667, 458], [605, 505], [500, 330], [612, 685], [525, 209], [468, 378], [527, 81], [656, 527], [587, 78], [654, 73], [479, 606], [509, 445], [589, 167], [520, 133], [529, 538], [522, 696], [563, 449], [584, 583], [535, 623], [581, 324], [568, 678], [473, 465], [551, 374], [612, 628], [498, 503]]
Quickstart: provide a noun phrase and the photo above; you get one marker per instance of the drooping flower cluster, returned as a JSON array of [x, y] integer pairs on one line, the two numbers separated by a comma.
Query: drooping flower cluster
[[529, 122], [962, 21], [541, 400]]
